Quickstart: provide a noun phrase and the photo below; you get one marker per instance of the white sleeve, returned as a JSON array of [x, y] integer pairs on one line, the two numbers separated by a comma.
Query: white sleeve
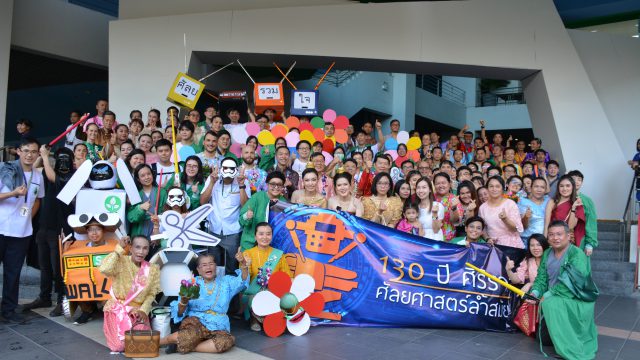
[[206, 184]]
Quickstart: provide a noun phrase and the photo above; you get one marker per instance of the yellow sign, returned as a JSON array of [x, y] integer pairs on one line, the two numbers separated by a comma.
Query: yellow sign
[[185, 91], [75, 262]]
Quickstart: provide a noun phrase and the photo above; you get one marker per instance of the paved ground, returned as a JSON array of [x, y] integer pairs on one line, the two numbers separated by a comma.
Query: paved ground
[[618, 321]]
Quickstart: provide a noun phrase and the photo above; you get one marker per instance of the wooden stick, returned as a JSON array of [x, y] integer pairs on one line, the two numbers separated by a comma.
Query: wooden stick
[[285, 76], [82, 119], [210, 94], [175, 147], [215, 72], [323, 76], [246, 72]]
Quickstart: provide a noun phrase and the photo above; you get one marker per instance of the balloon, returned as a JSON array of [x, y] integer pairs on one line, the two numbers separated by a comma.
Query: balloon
[[308, 136], [328, 158], [318, 134], [393, 153], [328, 146], [236, 149], [305, 126], [279, 131], [402, 137], [253, 128], [341, 136], [239, 134], [413, 155], [329, 115], [391, 144], [265, 137], [185, 152], [414, 143], [293, 138], [317, 122], [341, 122], [292, 122]]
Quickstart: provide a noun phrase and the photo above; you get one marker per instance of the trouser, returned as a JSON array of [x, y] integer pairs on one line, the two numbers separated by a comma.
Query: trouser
[[12, 254], [226, 250], [192, 333], [49, 260]]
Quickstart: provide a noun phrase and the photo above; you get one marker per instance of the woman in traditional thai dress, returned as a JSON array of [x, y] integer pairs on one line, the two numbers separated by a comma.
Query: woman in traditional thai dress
[[309, 194], [344, 199], [134, 285], [382, 207], [567, 206]]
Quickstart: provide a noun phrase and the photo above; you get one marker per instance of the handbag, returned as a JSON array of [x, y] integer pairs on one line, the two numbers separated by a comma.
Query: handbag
[[526, 318], [141, 343]]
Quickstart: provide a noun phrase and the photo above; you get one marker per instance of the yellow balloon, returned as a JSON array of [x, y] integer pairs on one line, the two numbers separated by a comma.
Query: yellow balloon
[[414, 143], [265, 137], [307, 135]]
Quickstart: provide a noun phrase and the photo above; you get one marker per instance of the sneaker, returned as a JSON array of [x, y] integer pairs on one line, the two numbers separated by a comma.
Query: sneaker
[[83, 319], [57, 311], [36, 304], [14, 318], [255, 326]]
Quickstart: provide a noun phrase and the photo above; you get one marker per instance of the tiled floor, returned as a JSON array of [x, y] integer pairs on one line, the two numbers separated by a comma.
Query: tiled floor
[[618, 321]]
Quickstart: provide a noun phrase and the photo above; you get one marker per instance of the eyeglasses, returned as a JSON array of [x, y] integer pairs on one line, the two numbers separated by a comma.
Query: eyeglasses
[[276, 185], [383, 183]]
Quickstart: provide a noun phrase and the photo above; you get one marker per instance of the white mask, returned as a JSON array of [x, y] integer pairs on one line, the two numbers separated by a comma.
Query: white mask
[[228, 169], [176, 197]]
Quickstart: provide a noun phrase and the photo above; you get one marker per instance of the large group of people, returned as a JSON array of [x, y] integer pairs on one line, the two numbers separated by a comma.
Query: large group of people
[[467, 189]]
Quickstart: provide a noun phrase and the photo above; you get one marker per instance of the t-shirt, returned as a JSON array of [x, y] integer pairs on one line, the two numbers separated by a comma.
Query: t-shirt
[[299, 166], [167, 172], [426, 219], [536, 222], [11, 222]]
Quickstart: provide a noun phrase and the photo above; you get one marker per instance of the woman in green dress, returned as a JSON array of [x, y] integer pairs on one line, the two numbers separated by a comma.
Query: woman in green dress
[[191, 181]]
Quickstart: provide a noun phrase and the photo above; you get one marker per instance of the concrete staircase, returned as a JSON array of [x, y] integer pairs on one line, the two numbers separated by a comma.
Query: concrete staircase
[[611, 270]]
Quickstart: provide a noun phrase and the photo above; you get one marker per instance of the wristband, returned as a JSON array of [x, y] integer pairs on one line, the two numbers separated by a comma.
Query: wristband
[[243, 186]]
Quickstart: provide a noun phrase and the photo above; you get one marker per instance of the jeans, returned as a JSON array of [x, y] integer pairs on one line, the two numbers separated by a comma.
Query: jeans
[[13, 251], [49, 260]]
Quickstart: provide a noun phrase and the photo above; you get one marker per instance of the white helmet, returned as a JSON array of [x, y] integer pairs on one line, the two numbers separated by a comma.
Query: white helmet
[[103, 176]]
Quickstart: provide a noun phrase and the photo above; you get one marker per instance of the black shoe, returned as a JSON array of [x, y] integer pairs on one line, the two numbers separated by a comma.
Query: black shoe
[[57, 311], [14, 318], [83, 319], [171, 349], [36, 304]]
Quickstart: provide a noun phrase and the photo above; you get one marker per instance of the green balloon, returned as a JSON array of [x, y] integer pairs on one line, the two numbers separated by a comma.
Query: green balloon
[[288, 301], [317, 122]]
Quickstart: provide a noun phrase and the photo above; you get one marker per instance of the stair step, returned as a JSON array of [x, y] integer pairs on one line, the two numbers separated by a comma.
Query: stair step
[[608, 235], [619, 288], [600, 254], [604, 276], [615, 266], [609, 226], [607, 245]]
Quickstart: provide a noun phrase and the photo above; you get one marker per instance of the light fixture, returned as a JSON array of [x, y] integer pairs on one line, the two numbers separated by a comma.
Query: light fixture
[[635, 36], [594, 30]]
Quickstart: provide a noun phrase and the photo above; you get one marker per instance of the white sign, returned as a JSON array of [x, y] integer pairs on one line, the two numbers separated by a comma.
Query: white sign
[[269, 92], [304, 100], [102, 201], [187, 88]]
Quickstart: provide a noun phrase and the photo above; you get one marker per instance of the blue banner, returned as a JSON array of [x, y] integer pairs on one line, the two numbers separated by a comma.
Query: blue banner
[[372, 275]]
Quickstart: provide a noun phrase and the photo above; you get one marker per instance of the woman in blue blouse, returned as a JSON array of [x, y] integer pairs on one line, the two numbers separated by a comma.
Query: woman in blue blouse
[[204, 322]]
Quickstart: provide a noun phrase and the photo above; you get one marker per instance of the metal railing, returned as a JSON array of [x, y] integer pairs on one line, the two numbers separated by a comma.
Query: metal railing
[[504, 96], [630, 215], [441, 88]]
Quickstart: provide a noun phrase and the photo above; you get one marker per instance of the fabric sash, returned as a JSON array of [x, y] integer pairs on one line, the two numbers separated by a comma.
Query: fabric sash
[[271, 263], [121, 308]]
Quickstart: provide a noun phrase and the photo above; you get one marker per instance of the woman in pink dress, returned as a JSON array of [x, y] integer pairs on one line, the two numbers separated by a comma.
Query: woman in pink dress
[[501, 216], [527, 272], [567, 206]]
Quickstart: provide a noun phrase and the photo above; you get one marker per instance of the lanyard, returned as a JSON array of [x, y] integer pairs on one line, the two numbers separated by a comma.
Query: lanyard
[[27, 184]]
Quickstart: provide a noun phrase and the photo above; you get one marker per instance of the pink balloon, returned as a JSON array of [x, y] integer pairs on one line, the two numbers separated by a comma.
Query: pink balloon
[[328, 158], [393, 153], [329, 115], [293, 138], [253, 128], [236, 149]]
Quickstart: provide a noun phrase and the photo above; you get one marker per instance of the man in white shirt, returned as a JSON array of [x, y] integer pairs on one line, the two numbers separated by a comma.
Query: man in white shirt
[[227, 197], [21, 189]]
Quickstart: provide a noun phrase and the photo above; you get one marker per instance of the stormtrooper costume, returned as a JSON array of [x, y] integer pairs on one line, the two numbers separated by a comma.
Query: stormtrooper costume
[[223, 219]]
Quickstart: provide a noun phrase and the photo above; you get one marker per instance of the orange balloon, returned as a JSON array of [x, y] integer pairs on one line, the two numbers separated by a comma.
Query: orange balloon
[[279, 131], [318, 134], [305, 126], [413, 155], [292, 122], [341, 136]]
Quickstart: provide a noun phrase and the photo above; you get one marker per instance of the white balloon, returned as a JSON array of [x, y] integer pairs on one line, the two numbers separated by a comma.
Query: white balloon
[[402, 137], [303, 286], [265, 303], [301, 327]]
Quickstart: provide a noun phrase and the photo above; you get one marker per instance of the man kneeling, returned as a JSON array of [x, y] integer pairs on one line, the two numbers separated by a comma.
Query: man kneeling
[[568, 297], [205, 324]]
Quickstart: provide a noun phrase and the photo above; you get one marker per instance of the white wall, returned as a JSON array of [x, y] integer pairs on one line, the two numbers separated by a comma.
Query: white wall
[[499, 117], [502, 34], [613, 65], [59, 28], [6, 9], [439, 109]]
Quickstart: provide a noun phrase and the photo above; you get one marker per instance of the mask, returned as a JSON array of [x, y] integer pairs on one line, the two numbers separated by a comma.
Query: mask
[[103, 176], [176, 197], [228, 169], [64, 161]]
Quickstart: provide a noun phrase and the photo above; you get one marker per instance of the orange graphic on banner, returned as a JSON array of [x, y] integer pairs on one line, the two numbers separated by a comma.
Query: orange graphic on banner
[[324, 234]]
